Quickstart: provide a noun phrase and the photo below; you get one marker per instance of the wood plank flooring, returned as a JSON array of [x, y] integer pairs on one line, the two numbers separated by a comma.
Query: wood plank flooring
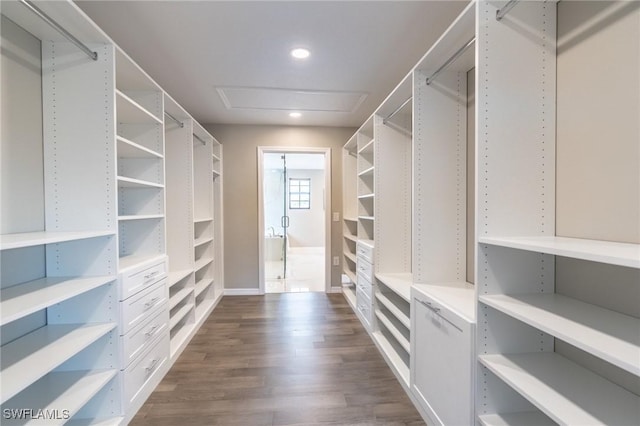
[[280, 360]]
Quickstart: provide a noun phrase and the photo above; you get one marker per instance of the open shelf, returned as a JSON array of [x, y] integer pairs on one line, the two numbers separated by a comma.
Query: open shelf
[[175, 277], [350, 256], [366, 218], [366, 196], [202, 219], [129, 149], [131, 261], [350, 295], [350, 237], [130, 217], [389, 352], [401, 316], [526, 418], [612, 253], [202, 240], [566, 392], [367, 172], [367, 148], [180, 314], [179, 296], [68, 389], [399, 283], [27, 359], [202, 263], [21, 300], [609, 335], [131, 112], [393, 329], [351, 275], [125, 182], [350, 219], [30, 239], [202, 286]]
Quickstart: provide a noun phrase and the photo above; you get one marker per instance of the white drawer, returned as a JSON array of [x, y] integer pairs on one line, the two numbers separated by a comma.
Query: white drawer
[[365, 286], [137, 341], [139, 376], [365, 269], [136, 280], [363, 304], [364, 251], [136, 309]]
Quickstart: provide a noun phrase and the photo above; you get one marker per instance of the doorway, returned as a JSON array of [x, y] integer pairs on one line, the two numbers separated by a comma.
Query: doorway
[[294, 217]]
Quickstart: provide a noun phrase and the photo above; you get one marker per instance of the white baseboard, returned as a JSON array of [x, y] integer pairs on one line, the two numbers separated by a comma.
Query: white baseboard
[[242, 292]]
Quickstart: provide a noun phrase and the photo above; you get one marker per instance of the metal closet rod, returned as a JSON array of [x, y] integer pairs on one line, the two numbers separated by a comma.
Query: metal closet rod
[[203, 142], [500, 13], [451, 60], [46, 18], [397, 110], [178, 122]]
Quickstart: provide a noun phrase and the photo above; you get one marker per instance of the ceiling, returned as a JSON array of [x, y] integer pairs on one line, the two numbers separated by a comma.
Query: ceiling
[[229, 61]]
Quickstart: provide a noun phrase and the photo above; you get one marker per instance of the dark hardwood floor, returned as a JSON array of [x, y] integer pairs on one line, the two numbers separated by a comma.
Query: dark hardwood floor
[[276, 360]]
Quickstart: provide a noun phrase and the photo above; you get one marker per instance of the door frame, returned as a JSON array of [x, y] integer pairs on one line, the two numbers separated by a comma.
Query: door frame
[[327, 202]]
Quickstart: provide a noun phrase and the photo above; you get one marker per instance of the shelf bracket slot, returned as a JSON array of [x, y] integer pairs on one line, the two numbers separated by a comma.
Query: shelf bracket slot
[[451, 60], [501, 13], [53, 24]]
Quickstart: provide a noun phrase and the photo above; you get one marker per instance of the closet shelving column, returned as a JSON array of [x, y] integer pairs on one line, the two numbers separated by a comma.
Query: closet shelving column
[[218, 234], [365, 246], [557, 341], [203, 247], [58, 295], [393, 279], [141, 231], [179, 187], [350, 216], [443, 298]]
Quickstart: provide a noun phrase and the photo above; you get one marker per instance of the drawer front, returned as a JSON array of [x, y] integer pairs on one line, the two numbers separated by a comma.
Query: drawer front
[[365, 269], [364, 284], [141, 373], [364, 251], [139, 307], [135, 281], [363, 304], [139, 339]]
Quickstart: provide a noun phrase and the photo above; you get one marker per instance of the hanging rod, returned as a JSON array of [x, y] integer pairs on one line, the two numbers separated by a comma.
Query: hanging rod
[[397, 110], [178, 122], [500, 13], [202, 141], [451, 60], [46, 18]]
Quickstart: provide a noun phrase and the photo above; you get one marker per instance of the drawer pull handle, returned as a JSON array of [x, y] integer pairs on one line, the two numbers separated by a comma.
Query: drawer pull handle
[[429, 306], [150, 332], [151, 303], [151, 275], [152, 366]]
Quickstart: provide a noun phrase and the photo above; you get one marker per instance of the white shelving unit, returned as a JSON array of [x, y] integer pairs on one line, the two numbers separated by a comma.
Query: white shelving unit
[[85, 291], [58, 265], [560, 343]]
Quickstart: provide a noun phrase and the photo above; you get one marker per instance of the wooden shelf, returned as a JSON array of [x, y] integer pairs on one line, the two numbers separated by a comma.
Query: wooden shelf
[[202, 263], [175, 277], [350, 295], [202, 240], [350, 237], [350, 219], [401, 316], [68, 389], [179, 296], [398, 283], [129, 149], [180, 314], [126, 182], [395, 332], [392, 357], [30, 239], [29, 358], [202, 286], [130, 112], [367, 148], [131, 217], [351, 275], [606, 334], [350, 256], [612, 253], [367, 172], [366, 197], [566, 392], [202, 219], [526, 418], [21, 300]]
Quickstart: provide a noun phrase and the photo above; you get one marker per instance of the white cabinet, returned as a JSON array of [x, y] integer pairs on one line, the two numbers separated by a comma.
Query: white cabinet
[[443, 360]]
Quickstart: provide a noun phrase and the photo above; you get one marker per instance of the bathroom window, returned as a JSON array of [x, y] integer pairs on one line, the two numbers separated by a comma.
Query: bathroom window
[[300, 193]]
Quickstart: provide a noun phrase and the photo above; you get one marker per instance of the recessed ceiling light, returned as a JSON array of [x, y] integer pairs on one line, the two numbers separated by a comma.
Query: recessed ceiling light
[[295, 115], [300, 53]]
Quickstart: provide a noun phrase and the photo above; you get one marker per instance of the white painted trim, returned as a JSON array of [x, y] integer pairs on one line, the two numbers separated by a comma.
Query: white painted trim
[[242, 292], [327, 202]]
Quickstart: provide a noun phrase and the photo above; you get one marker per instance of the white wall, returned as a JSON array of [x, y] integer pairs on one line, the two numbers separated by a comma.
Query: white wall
[[307, 226]]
